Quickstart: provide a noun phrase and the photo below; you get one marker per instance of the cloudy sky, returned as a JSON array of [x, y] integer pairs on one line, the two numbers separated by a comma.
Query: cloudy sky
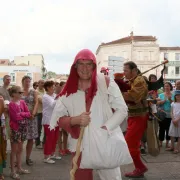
[[58, 29]]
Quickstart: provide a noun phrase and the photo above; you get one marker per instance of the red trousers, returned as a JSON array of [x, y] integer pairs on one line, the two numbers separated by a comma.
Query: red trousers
[[51, 138], [136, 127]]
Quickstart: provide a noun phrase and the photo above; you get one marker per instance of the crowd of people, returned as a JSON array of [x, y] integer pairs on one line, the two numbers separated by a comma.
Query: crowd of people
[[49, 113], [24, 111]]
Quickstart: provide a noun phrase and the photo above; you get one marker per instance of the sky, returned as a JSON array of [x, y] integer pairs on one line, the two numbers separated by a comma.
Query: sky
[[58, 29]]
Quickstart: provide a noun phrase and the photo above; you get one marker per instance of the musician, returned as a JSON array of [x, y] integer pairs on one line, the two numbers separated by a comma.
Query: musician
[[135, 98]]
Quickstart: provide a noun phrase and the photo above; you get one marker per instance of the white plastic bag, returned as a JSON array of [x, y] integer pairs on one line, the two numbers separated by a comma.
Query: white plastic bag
[[102, 150]]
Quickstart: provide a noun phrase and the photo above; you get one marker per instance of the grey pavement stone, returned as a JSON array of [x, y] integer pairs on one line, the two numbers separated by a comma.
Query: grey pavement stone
[[159, 168]]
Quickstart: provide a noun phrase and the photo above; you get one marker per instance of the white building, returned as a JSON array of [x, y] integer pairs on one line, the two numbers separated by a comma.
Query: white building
[[172, 72], [31, 60], [143, 50], [18, 72]]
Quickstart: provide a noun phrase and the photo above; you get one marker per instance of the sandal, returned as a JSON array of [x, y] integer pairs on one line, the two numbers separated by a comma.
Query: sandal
[[170, 149], [175, 151], [23, 171], [15, 176]]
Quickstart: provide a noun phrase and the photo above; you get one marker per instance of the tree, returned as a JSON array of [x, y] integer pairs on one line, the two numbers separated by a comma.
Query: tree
[[51, 74]]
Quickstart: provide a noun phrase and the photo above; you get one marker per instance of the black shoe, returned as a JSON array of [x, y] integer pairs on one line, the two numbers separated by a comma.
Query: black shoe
[[29, 162], [143, 152]]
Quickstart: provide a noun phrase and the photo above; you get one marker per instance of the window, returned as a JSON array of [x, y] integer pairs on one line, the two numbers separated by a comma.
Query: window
[[13, 77], [165, 55], [177, 70], [177, 56], [166, 70], [124, 54]]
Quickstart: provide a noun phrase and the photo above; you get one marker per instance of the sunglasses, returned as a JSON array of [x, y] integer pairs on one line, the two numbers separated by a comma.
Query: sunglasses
[[20, 92]]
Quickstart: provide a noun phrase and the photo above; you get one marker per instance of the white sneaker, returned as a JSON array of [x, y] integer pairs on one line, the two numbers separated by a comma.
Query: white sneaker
[[55, 157], [49, 161], [39, 147]]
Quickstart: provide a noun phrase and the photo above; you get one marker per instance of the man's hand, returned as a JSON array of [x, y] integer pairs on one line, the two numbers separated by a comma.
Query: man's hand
[[84, 119]]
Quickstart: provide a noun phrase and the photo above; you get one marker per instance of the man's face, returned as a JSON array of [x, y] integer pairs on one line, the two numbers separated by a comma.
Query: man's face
[[41, 84], [85, 69], [128, 73], [178, 85], [7, 81]]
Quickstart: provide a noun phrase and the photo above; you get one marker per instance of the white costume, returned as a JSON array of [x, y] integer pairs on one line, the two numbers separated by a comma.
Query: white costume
[[103, 102]]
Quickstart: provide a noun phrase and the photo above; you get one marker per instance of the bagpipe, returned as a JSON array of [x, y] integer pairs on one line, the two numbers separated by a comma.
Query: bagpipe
[[125, 86]]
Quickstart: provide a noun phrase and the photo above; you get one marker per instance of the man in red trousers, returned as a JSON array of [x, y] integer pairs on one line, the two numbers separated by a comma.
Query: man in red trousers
[[137, 118]]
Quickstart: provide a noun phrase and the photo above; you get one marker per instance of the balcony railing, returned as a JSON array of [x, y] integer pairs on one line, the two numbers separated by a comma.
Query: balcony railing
[[173, 63]]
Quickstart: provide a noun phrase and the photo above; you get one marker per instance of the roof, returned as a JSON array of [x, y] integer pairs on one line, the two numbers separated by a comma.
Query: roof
[[4, 62], [129, 39], [21, 64], [170, 48]]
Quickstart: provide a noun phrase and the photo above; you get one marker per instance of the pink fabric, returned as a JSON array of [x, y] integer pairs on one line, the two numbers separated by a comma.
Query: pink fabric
[[51, 138], [72, 82], [18, 113]]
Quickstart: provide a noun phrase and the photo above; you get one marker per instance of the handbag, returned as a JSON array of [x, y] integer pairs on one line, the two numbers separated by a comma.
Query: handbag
[[161, 114], [152, 139], [104, 150]]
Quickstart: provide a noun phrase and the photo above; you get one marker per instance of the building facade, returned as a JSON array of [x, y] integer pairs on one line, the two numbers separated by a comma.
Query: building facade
[[17, 73], [172, 72], [143, 50], [36, 60]]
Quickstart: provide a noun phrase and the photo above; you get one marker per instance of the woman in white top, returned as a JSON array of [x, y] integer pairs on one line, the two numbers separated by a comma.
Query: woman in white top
[[51, 137]]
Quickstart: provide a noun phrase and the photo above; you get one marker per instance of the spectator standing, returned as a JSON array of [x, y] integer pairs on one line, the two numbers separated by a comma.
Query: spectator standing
[[2, 139], [174, 130], [165, 101], [5, 94], [41, 92], [51, 137], [31, 99], [18, 113]]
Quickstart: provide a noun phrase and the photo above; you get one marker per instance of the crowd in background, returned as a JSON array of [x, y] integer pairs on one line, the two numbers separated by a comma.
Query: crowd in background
[[25, 116], [26, 112]]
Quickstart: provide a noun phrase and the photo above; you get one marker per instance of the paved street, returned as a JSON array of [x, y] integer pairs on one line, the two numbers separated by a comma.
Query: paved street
[[164, 167]]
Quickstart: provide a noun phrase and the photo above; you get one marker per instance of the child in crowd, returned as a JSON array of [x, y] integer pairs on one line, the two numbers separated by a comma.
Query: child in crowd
[[174, 130], [18, 113]]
